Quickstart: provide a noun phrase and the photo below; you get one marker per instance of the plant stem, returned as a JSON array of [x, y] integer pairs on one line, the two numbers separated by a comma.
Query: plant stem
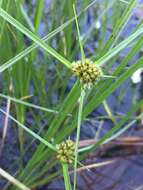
[[66, 177], [79, 36], [11, 179], [78, 133]]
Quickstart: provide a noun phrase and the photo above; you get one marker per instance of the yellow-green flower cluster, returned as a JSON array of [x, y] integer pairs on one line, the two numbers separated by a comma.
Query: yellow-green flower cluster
[[87, 72], [66, 152]]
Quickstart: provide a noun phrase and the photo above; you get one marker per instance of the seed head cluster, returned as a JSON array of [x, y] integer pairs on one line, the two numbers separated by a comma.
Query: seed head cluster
[[87, 72], [66, 151]]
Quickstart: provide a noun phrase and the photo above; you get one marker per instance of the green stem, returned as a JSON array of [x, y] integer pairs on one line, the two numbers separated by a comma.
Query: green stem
[[42, 140], [78, 134], [1, 1], [38, 14], [79, 36], [66, 177]]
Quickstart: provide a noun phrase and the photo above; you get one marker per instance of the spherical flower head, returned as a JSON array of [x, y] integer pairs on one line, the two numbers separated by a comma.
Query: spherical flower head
[[87, 72], [66, 152]]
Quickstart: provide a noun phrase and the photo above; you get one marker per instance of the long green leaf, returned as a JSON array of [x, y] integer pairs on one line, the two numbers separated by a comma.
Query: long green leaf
[[120, 25], [114, 129], [33, 37], [119, 47], [82, 96], [29, 104], [11, 179], [66, 177], [30, 132], [28, 50]]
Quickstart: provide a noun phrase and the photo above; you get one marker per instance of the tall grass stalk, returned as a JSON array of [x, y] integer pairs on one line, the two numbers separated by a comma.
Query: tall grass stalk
[[11, 179], [67, 182], [79, 36], [52, 147], [81, 103], [1, 1], [33, 37]]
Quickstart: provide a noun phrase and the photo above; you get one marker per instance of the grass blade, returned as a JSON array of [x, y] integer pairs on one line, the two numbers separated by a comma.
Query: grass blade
[[10, 178], [78, 134], [30, 131], [79, 36], [33, 37], [120, 25], [39, 13], [29, 104], [115, 128], [119, 47], [66, 177]]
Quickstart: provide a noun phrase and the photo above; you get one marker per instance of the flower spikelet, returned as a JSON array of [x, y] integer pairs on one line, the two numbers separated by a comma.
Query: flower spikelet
[[87, 72], [66, 152]]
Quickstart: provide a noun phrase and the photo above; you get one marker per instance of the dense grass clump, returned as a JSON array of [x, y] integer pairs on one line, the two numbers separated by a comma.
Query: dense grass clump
[[54, 108]]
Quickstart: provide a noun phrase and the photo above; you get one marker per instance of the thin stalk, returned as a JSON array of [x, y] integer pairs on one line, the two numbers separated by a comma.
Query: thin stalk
[[3, 22], [5, 127], [66, 177], [79, 36], [37, 21], [109, 111], [26, 18], [34, 37], [1, 1], [11, 179], [78, 134], [39, 13], [36, 136]]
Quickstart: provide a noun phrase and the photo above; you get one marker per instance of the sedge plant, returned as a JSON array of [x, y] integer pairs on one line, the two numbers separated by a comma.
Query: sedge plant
[[20, 68]]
